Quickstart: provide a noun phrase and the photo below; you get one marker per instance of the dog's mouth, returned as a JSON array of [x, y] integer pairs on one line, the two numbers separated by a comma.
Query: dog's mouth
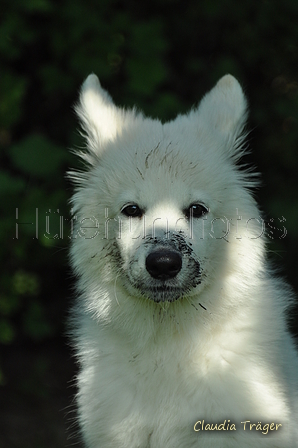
[[164, 293]]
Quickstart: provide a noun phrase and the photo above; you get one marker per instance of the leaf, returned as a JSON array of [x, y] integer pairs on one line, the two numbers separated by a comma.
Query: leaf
[[39, 157], [7, 332], [10, 184], [12, 91], [35, 323]]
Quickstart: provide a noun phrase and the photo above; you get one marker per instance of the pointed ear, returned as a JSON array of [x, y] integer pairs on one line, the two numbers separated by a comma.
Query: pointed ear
[[100, 118], [224, 107]]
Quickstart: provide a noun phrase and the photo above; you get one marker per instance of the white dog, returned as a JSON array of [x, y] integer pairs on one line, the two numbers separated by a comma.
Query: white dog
[[179, 326]]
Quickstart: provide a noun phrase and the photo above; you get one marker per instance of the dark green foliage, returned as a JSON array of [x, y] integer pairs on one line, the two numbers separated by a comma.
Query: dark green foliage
[[160, 55]]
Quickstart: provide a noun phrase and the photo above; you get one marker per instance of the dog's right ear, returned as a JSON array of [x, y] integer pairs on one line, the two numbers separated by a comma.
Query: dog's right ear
[[100, 118]]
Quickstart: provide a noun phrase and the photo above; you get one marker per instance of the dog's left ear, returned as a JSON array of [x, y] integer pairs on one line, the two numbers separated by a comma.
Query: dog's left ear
[[224, 107], [100, 118]]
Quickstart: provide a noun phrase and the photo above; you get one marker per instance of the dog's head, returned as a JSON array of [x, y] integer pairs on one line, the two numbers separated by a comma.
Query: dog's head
[[160, 205]]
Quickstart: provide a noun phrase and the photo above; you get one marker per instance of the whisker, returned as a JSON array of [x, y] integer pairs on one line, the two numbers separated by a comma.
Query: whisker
[[115, 285]]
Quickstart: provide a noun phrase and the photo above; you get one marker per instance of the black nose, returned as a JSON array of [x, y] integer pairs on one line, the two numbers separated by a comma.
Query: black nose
[[163, 264]]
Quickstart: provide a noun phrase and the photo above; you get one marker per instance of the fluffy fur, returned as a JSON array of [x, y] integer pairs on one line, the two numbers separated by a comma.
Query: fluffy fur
[[178, 317]]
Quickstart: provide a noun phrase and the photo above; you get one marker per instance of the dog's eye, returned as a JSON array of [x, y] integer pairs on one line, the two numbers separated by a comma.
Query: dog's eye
[[132, 210], [196, 211]]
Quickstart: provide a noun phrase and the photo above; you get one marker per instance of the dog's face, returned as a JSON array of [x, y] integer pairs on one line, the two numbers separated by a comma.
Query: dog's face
[[165, 197], [163, 236]]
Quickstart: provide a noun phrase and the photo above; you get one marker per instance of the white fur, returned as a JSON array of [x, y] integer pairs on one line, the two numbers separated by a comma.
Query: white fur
[[221, 350]]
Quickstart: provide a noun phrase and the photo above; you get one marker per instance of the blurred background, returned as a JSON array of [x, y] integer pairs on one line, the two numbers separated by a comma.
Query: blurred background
[[161, 55]]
